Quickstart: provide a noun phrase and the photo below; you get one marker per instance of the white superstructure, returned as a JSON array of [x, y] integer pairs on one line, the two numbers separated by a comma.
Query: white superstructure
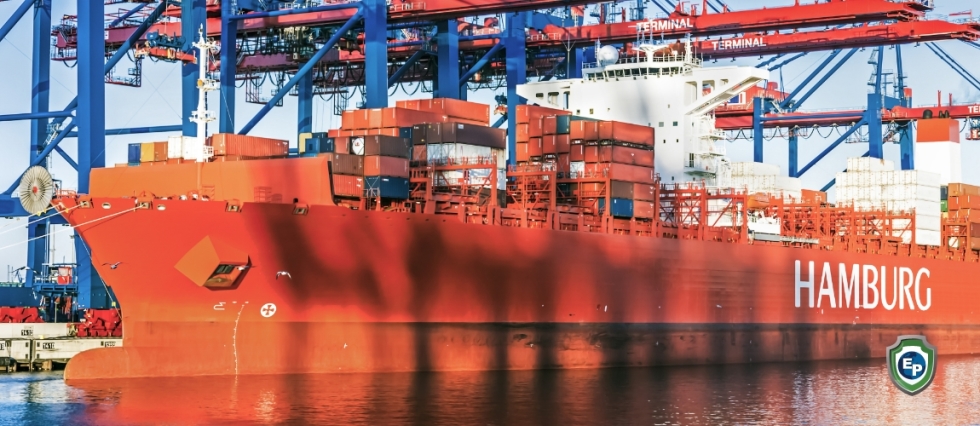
[[663, 88]]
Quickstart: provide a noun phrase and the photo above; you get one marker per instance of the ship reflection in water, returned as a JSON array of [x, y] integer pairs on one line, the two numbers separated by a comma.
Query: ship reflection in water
[[840, 392]]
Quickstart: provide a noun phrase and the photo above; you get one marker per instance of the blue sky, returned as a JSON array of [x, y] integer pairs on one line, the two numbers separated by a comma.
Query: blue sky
[[158, 103]]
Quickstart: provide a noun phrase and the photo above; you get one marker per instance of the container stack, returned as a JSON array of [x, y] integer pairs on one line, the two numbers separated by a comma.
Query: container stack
[[764, 178], [963, 202], [454, 143], [316, 143], [871, 184], [147, 153], [538, 127]]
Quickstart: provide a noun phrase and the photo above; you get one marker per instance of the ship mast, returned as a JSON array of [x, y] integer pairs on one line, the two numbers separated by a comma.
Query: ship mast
[[201, 115]]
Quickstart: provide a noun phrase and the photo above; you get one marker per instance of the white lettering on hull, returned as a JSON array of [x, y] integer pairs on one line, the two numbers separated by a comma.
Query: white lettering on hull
[[863, 286]]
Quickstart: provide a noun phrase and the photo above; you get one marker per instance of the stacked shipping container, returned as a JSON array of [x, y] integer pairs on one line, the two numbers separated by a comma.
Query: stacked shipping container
[[599, 164], [871, 184]]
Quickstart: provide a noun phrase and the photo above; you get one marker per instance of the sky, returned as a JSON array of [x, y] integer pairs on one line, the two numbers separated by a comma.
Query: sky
[[158, 102]]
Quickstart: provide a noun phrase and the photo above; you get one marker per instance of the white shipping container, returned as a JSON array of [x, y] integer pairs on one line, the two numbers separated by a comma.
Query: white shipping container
[[754, 169], [785, 183], [175, 147], [16, 349], [927, 238], [577, 168], [868, 164], [40, 330], [927, 222], [63, 349]]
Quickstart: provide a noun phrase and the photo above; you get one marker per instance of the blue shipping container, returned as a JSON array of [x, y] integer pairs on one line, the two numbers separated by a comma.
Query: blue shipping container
[[386, 187], [405, 132], [308, 154], [319, 145], [134, 153], [621, 207]]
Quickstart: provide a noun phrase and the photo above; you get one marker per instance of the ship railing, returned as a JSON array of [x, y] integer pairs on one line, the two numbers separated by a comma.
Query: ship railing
[[65, 193], [460, 161]]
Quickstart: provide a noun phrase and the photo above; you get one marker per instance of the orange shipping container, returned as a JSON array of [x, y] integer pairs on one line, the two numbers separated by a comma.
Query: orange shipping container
[[957, 189], [582, 130], [964, 202], [400, 117], [625, 132], [622, 172], [377, 165], [522, 153], [529, 113], [348, 186], [644, 192], [534, 147], [577, 152], [521, 134], [454, 109], [341, 145], [625, 155], [549, 144], [247, 146], [534, 129], [592, 154], [549, 125], [644, 209], [563, 144]]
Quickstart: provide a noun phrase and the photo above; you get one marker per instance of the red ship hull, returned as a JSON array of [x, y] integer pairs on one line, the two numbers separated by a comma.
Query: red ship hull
[[377, 291]]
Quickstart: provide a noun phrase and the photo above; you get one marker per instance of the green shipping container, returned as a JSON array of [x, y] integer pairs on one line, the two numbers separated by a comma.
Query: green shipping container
[[943, 206]]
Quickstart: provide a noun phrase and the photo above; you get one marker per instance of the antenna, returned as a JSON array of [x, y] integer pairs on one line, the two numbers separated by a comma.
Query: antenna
[[201, 115]]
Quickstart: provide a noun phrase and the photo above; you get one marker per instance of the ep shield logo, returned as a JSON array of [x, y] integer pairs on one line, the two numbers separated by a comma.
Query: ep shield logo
[[912, 363]]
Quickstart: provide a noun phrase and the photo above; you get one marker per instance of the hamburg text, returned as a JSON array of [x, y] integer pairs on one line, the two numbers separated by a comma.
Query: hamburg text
[[864, 286]]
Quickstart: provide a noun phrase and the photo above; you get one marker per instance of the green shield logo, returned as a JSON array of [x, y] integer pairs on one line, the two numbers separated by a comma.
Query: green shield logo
[[912, 363]]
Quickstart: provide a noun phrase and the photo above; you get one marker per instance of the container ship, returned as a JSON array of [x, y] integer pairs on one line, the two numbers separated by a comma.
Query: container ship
[[621, 235]]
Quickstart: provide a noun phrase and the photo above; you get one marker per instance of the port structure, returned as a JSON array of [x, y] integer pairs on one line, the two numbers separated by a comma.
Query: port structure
[[556, 43]]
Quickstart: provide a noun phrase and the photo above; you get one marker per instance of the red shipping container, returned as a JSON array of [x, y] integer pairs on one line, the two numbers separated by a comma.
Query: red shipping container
[[527, 113], [334, 133], [522, 153], [625, 155], [577, 152], [521, 134], [401, 117], [534, 129], [644, 209], [549, 125], [549, 144], [345, 164], [348, 186], [377, 165], [420, 153], [591, 154], [630, 173], [534, 147], [563, 144], [564, 163], [625, 132], [644, 192], [459, 110], [582, 130]]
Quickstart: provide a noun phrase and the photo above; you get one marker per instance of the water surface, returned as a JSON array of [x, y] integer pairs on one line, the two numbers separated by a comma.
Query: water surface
[[831, 393]]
